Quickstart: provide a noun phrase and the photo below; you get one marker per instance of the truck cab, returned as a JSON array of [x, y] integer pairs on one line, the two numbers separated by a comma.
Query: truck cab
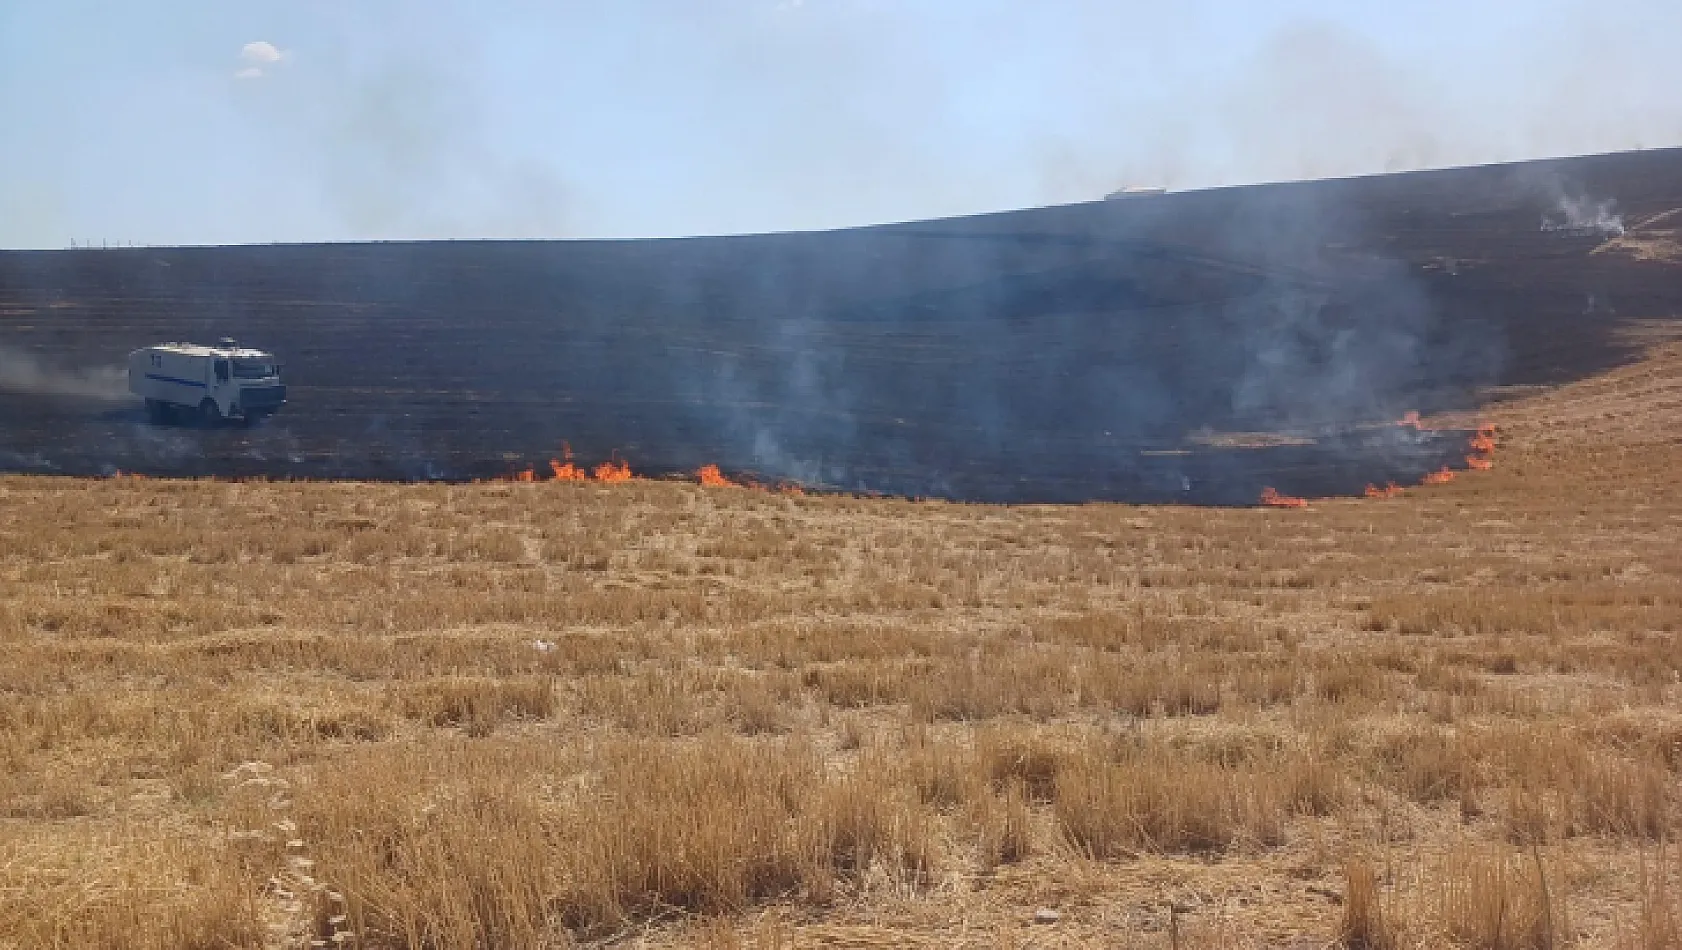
[[206, 383]]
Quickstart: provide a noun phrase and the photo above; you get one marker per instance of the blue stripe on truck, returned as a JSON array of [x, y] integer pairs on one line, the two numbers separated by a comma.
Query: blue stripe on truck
[[172, 379]]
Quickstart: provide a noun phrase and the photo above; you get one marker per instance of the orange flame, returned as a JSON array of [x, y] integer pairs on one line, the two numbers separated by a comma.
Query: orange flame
[[713, 478], [610, 471], [618, 470], [567, 472], [1440, 477], [1273, 499], [1390, 490], [615, 470], [1482, 445], [1409, 419]]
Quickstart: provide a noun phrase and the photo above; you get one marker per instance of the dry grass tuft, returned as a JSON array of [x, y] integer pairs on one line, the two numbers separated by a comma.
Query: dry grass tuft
[[1658, 924], [1490, 900], [477, 704], [1115, 803], [1366, 922]]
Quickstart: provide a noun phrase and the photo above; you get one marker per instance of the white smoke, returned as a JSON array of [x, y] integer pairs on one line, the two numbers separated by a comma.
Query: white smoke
[[1583, 215], [24, 373]]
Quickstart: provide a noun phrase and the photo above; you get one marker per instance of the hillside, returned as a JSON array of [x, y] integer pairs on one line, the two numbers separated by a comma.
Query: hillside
[[1111, 350]]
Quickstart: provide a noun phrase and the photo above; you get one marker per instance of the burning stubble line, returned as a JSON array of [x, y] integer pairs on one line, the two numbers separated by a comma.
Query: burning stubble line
[[618, 471]]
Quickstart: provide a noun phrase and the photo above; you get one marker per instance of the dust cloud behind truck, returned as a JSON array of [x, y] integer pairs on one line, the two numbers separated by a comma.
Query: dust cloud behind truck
[[206, 384]]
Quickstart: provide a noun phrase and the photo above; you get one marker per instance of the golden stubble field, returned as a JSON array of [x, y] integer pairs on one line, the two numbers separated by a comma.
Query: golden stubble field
[[509, 715]]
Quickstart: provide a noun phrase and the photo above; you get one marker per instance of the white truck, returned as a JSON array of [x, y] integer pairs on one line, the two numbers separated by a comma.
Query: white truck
[[206, 383]]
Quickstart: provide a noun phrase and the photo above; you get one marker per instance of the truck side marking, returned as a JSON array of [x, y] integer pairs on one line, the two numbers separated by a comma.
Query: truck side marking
[[172, 379]]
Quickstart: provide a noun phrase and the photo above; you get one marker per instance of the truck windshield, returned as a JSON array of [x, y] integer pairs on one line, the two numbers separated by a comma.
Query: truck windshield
[[253, 369]]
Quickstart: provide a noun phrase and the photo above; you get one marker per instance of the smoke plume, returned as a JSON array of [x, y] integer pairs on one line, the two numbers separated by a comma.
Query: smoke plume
[[21, 372], [1580, 214]]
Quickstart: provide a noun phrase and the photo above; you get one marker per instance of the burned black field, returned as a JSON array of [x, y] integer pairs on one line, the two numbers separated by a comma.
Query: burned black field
[[1195, 347]]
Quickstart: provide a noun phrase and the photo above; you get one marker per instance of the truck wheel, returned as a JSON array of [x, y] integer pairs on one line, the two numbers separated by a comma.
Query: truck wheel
[[208, 413]]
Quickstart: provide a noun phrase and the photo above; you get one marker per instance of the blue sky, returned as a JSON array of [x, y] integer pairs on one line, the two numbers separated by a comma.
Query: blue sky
[[205, 121]]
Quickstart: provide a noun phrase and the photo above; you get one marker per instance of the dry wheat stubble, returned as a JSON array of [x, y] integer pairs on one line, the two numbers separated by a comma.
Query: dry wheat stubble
[[522, 715]]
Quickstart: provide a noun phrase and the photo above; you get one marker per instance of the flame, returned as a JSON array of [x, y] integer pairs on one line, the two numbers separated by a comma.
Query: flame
[[567, 472], [713, 478], [1409, 419], [1273, 499], [614, 470], [1482, 445], [618, 470]]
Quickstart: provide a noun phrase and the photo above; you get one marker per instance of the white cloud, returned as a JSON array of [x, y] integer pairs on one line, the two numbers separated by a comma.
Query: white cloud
[[258, 56], [261, 53]]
